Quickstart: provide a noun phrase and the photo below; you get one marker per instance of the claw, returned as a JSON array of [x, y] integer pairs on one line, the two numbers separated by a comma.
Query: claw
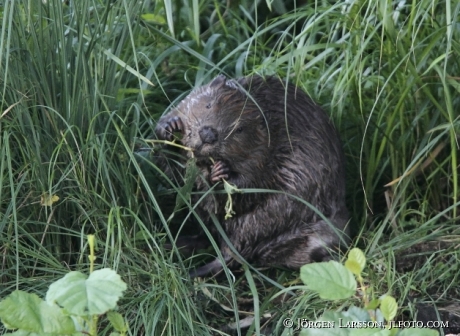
[[166, 129], [219, 171]]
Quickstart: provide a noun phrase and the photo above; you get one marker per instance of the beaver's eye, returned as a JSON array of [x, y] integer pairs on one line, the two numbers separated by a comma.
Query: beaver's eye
[[239, 130]]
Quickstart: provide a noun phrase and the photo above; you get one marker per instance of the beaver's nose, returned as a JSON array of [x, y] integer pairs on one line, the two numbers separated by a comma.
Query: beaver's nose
[[208, 135]]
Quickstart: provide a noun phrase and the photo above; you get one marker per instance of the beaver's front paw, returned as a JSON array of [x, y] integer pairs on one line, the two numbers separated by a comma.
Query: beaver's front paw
[[219, 171], [165, 128]]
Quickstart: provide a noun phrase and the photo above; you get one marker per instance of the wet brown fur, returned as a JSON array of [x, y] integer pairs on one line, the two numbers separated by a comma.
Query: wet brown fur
[[265, 135]]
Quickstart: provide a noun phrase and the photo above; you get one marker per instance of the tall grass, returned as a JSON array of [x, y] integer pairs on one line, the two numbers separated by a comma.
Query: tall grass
[[81, 83], [66, 131]]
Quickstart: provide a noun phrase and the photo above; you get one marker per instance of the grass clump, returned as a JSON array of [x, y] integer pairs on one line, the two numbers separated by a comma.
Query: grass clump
[[82, 83]]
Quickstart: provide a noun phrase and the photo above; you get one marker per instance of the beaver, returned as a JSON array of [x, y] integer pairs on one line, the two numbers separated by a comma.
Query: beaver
[[257, 132]]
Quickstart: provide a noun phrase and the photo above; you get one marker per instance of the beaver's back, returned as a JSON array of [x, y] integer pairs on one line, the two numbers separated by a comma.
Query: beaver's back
[[306, 157]]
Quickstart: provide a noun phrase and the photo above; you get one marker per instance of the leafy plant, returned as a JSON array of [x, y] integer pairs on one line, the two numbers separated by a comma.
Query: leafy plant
[[334, 281], [73, 304]]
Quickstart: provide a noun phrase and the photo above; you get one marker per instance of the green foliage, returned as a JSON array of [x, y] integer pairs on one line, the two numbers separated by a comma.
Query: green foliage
[[356, 261], [21, 310], [72, 307], [332, 281], [229, 189], [81, 295], [339, 283]]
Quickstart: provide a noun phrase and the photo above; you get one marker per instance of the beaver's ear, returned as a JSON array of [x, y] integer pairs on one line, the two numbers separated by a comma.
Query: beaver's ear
[[232, 84], [221, 81], [218, 82], [237, 85]]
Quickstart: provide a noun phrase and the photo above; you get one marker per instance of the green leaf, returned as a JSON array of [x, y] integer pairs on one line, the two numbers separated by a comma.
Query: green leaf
[[356, 321], [69, 292], [394, 331], [356, 261], [324, 331], [24, 333], [336, 318], [80, 296], [369, 332], [153, 18], [357, 314], [373, 304], [378, 316], [418, 332], [389, 307], [353, 267], [331, 280], [48, 200], [229, 189], [21, 310], [117, 321]]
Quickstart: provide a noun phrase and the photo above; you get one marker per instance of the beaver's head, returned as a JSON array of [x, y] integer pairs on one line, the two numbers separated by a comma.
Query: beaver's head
[[223, 121]]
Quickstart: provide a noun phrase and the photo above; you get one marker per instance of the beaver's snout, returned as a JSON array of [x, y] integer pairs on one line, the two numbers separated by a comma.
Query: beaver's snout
[[208, 135]]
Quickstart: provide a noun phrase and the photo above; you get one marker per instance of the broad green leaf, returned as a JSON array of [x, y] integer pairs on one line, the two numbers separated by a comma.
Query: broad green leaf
[[331, 280], [117, 321], [418, 332], [394, 331], [378, 316], [70, 293], [355, 321], [324, 331], [388, 307], [336, 327], [356, 261], [357, 314], [373, 304], [369, 332], [80, 296], [27, 333], [24, 333], [353, 267], [21, 310]]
